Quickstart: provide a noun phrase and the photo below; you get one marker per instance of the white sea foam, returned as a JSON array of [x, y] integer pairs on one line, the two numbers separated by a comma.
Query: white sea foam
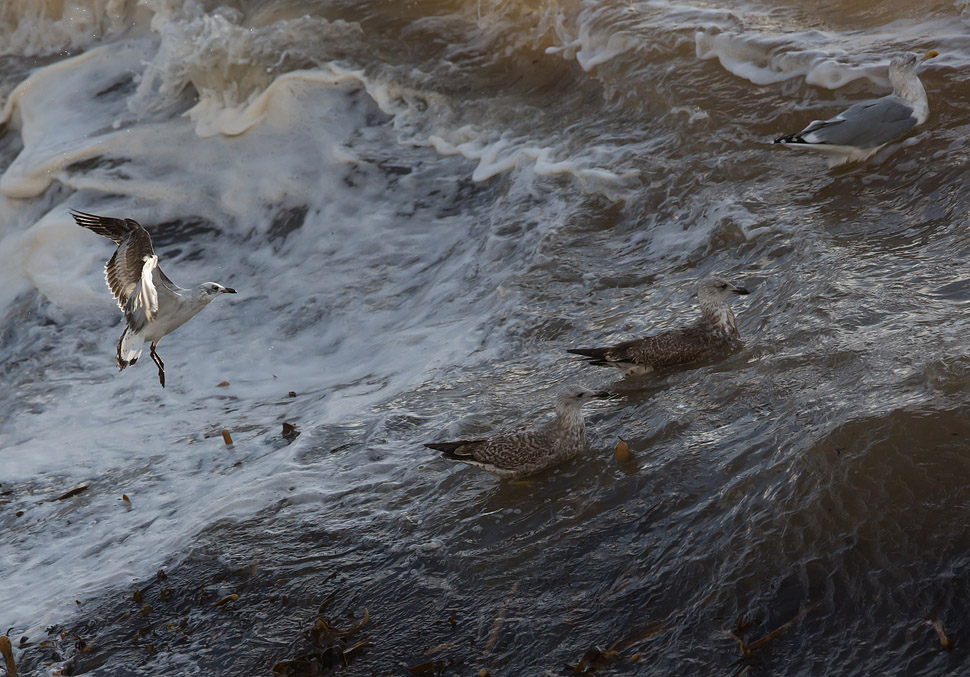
[[39, 27], [766, 59], [318, 297]]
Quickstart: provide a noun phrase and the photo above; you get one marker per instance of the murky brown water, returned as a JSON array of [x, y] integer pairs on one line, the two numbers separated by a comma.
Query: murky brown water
[[423, 204]]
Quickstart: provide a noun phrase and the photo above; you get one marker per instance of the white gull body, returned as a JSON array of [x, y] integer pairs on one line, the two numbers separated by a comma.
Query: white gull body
[[862, 129], [153, 305]]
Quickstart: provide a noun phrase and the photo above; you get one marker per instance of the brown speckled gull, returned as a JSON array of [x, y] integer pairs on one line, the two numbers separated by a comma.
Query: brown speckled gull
[[526, 452], [716, 329]]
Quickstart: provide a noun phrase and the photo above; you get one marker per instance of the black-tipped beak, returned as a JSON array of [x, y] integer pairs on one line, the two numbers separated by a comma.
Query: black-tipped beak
[[740, 290], [601, 395], [228, 290]]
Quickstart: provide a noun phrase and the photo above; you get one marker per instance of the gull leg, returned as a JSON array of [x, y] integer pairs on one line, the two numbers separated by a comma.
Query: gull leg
[[161, 365]]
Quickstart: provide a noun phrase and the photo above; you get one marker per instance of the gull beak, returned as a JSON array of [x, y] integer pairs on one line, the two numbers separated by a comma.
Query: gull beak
[[740, 290], [930, 55], [228, 290], [601, 395]]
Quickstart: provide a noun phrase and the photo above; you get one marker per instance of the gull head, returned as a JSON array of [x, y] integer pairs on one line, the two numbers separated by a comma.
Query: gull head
[[716, 291], [210, 290], [905, 65], [573, 397]]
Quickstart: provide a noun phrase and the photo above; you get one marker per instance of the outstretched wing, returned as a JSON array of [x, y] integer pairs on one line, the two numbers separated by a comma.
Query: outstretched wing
[[131, 266]]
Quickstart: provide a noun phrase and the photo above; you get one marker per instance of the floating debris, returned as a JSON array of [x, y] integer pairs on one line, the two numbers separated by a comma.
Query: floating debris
[[428, 669], [335, 650], [225, 600], [622, 450], [7, 650], [594, 660], [226, 437], [937, 625], [499, 621], [748, 649], [291, 394], [222, 385], [72, 492], [290, 431]]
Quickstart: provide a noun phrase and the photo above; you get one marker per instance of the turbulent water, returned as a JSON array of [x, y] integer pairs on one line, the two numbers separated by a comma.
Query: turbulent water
[[422, 205]]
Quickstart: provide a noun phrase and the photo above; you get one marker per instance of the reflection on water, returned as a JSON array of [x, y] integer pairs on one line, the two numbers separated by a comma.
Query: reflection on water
[[421, 206]]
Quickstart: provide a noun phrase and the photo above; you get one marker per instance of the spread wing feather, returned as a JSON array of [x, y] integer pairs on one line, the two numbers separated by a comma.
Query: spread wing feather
[[131, 267]]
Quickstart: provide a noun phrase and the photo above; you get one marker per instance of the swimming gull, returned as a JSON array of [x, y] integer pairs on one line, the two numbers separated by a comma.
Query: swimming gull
[[862, 129], [716, 329], [153, 305], [525, 452]]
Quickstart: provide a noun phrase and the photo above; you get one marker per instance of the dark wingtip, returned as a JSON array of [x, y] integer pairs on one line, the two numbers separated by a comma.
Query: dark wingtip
[[596, 353], [444, 447], [80, 217]]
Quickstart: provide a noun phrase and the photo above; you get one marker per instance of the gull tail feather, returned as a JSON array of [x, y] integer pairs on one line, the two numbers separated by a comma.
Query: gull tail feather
[[597, 356], [792, 138], [460, 451], [130, 346]]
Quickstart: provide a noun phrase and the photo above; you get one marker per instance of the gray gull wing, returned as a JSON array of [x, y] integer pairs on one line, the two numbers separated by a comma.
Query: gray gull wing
[[869, 124]]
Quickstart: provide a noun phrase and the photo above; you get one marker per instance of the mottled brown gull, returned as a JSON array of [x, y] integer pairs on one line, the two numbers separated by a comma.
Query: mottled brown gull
[[864, 128], [153, 305], [716, 329], [521, 453]]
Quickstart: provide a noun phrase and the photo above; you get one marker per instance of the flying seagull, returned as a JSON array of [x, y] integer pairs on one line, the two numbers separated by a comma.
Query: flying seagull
[[153, 305], [716, 329], [862, 129], [525, 452]]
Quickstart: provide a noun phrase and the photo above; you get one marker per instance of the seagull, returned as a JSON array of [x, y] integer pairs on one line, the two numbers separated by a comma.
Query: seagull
[[717, 328], [862, 129], [525, 452], [153, 305]]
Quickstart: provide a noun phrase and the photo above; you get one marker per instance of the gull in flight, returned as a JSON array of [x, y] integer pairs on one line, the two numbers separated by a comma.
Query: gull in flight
[[153, 305], [716, 329], [862, 129], [525, 452]]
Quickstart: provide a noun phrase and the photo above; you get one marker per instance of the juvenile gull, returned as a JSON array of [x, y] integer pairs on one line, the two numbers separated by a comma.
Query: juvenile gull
[[862, 129], [525, 452], [153, 305], [716, 329]]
